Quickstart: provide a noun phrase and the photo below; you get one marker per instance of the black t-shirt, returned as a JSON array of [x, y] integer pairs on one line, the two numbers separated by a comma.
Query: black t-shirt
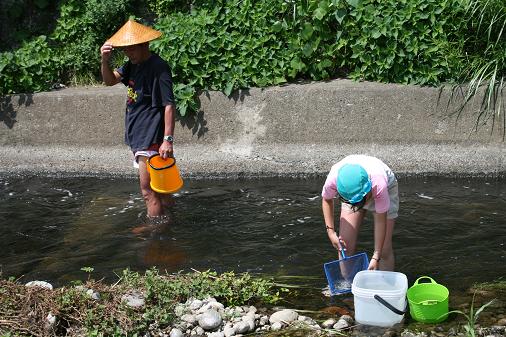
[[149, 91]]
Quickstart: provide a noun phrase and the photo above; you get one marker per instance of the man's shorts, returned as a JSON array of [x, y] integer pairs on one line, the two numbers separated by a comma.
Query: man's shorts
[[393, 211], [150, 151]]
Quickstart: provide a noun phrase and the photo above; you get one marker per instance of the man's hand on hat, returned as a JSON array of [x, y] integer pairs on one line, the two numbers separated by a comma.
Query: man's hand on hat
[[105, 51]]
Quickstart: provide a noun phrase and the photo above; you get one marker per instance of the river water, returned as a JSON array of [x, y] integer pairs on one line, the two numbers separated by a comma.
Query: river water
[[452, 230]]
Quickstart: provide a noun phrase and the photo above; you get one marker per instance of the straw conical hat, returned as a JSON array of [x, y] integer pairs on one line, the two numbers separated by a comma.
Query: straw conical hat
[[133, 33]]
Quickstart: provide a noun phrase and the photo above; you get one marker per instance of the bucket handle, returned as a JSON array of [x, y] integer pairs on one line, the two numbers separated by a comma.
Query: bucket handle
[[161, 168], [391, 307], [424, 277]]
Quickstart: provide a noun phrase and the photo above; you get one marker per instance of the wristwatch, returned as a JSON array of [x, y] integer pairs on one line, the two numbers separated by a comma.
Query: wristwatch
[[170, 139]]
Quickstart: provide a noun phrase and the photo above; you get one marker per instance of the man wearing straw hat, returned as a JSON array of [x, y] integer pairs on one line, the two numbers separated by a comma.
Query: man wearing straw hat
[[150, 108]]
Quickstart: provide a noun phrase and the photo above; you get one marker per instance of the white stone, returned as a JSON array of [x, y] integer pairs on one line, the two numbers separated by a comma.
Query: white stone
[[40, 284], [189, 318], [180, 310], [197, 331], [134, 300], [216, 334], [210, 320], [263, 320], [176, 333], [276, 326], [341, 324], [93, 294], [348, 319], [196, 304], [229, 330], [50, 321], [285, 315], [327, 324], [241, 327], [250, 321]]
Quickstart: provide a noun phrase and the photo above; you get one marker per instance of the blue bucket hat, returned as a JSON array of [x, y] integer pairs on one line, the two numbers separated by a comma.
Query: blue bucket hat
[[353, 182]]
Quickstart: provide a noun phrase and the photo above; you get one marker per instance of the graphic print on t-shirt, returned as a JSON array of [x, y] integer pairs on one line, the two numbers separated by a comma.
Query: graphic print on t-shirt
[[131, 94]]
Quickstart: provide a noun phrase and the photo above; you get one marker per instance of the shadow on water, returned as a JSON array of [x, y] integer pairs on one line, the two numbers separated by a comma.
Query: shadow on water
[[452, 230]]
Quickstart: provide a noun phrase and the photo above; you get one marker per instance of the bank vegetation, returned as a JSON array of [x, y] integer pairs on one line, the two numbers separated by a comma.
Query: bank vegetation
[[228, 45]]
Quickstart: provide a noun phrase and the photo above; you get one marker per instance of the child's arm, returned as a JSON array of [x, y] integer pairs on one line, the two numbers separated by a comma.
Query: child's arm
[[380, 228]]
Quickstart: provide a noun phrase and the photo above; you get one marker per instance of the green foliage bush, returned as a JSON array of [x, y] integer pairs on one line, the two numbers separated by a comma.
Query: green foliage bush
[[29, 68], [69, 54], [402, 41], [227, 45], [82, 28]]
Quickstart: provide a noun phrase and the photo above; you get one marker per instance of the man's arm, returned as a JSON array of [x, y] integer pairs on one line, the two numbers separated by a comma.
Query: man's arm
[[109, 76], [166, 149]]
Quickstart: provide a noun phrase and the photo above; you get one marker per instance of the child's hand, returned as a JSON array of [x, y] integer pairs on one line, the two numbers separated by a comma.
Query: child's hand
[[373, 265]]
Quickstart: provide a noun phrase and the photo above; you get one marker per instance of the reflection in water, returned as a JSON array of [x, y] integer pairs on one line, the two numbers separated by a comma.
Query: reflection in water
[[452, 230]]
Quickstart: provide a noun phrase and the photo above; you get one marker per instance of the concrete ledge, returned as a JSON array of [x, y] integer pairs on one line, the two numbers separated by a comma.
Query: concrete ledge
[[294, 130]]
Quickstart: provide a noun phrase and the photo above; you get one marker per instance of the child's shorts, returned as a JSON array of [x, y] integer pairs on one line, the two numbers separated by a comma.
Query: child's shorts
[[393, 211]]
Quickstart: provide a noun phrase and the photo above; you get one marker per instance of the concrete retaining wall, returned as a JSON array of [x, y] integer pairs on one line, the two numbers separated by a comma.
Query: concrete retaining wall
[[288, 130]]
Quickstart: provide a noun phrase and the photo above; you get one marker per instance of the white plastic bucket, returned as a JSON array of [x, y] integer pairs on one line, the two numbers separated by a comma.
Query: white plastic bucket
[[379, 297]]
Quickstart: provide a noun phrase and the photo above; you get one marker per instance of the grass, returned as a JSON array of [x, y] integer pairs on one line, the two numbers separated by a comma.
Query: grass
[[24, 310]]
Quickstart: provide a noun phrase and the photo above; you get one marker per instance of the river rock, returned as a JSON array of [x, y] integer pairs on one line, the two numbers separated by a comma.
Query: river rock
[[40, 284], [179, 310], [189, 318], [276, 326], [216, 334], [50, 321], [229, 330], [263, 320], [176, 333], [250, 320], [327, 324], [93, 294], [197, 331], [210, 320], [348, 319], [133, 300], [196, 304], [341, 324], [241, 327], [285, 315]]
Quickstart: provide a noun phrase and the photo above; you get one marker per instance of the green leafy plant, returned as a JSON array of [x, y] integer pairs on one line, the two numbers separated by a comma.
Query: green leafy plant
[[472, 316], [483, 55], [229, 45]]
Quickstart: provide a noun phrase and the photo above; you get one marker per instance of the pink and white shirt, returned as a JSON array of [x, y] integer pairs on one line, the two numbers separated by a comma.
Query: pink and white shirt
[[380, 174]]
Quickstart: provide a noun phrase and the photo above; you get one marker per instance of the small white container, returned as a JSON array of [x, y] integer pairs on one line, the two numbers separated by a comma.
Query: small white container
[[391, 286]]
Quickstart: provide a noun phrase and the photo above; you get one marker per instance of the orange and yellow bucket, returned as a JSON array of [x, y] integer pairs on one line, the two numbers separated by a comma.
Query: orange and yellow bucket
[[164, 174]]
